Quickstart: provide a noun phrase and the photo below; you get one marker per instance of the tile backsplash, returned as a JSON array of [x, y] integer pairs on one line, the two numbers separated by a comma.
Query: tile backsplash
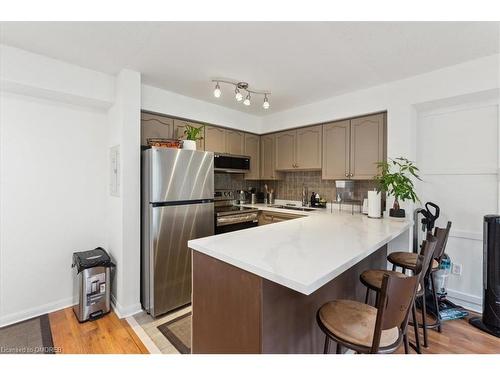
[[290, 186]]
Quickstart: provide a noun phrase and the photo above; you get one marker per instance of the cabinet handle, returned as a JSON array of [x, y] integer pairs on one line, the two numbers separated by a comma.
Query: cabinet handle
[[351, 175], [347, 174]]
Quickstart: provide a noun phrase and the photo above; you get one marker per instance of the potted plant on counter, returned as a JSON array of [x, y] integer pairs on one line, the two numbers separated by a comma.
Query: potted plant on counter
[[395, 178], [192, 134]]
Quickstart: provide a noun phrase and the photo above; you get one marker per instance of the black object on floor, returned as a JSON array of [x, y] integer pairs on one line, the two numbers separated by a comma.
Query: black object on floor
[[32, 336], [447, 309], [490, 321]]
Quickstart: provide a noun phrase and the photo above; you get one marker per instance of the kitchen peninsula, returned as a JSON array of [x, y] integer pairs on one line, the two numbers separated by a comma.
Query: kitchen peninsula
[[258, 290]]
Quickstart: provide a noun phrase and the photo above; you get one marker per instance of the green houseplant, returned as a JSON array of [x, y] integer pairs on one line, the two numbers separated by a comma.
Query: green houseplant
[[395, 178], [192, 134]]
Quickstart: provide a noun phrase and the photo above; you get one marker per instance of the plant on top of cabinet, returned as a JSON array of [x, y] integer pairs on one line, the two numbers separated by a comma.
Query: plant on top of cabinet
[[192, 134], [179, 131], [397, 183]]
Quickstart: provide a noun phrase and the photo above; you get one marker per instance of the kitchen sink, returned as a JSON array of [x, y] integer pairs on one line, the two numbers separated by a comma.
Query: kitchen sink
[[295, 208]]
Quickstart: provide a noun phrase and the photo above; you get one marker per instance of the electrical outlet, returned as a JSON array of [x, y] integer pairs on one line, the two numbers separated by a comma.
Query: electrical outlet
[[456, 269]]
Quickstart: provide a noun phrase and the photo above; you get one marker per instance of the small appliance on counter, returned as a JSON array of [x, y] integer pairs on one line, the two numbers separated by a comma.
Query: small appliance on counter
[[317, 201], [92, 282], [374, 204]]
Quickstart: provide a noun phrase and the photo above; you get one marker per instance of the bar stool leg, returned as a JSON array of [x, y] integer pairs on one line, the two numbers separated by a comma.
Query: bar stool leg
[[436, 303], [415, 326], [339, 348], [424, 319], [327, 345], [406, 345], [367, 295], [394, 267]]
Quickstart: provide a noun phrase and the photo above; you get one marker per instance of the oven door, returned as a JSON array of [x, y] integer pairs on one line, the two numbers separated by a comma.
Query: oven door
[[230, 223]]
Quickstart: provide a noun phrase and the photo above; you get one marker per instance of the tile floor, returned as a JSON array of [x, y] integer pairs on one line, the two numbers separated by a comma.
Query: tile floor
[[149, 325]]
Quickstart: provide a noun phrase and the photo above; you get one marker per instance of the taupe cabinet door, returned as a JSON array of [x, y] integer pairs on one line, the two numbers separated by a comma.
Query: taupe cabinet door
[[252, 149], [308, 150], [285, 150], [267, 162], [180, 126], [235, 142], [336, 150], [215, 139], [367, 146], [155, 126]]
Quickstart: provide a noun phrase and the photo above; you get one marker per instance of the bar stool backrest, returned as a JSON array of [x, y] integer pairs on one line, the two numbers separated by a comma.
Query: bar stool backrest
[[396, 299], [441, 235], [427, 252]]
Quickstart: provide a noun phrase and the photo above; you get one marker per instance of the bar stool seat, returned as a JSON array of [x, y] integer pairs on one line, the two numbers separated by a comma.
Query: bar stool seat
[[407, 260], [373, 278], [354, 322]]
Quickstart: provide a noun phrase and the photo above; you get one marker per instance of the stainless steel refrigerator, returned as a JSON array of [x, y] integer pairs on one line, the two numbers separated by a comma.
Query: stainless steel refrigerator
[[177, 206]]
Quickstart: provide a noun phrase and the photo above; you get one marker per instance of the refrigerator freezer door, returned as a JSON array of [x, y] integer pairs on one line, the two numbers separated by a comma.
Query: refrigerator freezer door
[[180, 175], [170, 262]]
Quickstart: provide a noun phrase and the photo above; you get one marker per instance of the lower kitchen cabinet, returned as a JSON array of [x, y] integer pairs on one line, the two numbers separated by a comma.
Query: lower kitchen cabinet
[[155, 126], [269, 217], [252, 149], [180, 127]]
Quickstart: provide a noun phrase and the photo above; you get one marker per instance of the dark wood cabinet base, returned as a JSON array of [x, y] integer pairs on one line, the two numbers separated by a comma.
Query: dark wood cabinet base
[[235, 311]]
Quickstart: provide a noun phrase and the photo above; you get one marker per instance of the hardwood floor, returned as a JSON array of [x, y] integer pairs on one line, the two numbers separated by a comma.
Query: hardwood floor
[[108, 335], [112, 335], [457, 337]]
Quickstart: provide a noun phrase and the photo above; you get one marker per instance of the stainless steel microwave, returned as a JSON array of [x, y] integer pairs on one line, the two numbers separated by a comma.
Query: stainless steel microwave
[[231, 163]]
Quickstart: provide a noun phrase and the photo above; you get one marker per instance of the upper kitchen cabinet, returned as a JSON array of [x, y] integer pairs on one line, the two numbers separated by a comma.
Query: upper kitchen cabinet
[[215, 139], [267, 155], [352, 148], [336, 150], [252, 149], [180, 127], [299, 149], [367, 146], [155, 126], [235, 142], [285, 150], [308, 149]]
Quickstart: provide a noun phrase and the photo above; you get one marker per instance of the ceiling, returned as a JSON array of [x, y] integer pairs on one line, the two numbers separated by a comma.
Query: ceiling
[[299, 62]]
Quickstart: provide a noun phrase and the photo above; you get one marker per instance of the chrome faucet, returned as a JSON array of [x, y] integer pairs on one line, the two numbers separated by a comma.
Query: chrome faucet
[[305, 196]]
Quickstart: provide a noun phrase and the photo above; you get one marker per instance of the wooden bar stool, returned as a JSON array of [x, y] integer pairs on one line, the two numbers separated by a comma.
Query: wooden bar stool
[[407, 261], [372, 279], [366, 329]]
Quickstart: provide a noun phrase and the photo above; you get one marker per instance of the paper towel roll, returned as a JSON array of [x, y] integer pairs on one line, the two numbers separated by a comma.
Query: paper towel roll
[[374, 204]]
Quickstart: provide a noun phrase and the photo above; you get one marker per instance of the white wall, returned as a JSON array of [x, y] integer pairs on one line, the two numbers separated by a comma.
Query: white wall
[[169, 103], [53, 200], [124, 211], [458, 156]]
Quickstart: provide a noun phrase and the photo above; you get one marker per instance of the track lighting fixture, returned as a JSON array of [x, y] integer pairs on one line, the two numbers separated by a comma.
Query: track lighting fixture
[[217, 92], [247, 100], [238, 95], [265, 105]]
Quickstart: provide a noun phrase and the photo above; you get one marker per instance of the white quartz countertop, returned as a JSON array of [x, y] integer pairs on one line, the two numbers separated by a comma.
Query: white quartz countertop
[[305, 253]]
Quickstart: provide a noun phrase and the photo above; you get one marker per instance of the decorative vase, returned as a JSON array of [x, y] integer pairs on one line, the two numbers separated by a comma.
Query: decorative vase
[[189, 145], [396, 211]]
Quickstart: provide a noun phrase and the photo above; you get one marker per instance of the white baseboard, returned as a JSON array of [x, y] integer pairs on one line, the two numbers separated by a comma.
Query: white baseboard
[[35, 311], [469, 301], [124, 312]]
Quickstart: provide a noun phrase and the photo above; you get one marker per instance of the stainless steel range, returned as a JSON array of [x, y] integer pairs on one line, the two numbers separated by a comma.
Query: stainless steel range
[[229, 217]]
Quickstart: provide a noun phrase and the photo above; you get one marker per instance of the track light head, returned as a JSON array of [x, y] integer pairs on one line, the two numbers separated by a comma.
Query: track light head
[[266, 105], [247, 100], [217, 91], [238, 95]]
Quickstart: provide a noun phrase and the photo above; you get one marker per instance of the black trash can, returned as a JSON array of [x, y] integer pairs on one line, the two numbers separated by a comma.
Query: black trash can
[[92, 282]]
